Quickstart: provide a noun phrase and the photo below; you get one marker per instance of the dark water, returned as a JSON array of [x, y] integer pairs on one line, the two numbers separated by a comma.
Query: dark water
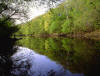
[[49, 57]]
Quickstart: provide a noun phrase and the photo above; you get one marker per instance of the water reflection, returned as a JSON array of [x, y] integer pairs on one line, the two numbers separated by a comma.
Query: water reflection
[[77, 55], [51, 57], [28, 63], [6, 50]]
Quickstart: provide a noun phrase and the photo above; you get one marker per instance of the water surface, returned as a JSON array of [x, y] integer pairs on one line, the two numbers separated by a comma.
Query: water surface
[[29, 63], [80, 57], [50, 57]]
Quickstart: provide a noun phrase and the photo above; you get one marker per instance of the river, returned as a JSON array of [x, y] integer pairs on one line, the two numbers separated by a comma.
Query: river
[[49, 57]]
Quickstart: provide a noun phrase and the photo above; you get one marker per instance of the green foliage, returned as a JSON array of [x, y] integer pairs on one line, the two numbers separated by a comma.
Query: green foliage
[[32, 27], [69, 17], [6, 28]]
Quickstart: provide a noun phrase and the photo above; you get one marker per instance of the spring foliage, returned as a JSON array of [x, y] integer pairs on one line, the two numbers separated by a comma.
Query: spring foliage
[[72, 16]]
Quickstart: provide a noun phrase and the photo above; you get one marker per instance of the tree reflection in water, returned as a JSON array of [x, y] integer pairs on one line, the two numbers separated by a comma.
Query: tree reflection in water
[[6, 50], [80, 57], [28, 63], [76, 55]]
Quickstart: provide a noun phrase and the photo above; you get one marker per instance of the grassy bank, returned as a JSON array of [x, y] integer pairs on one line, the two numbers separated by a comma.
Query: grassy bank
[[93, 35], [71, 18]]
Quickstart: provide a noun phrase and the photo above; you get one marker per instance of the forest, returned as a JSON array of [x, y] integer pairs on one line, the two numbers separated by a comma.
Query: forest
[[78, 18], [62, 39]]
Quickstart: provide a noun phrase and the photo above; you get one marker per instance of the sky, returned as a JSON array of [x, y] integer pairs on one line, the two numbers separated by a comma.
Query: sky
[[34, 10]]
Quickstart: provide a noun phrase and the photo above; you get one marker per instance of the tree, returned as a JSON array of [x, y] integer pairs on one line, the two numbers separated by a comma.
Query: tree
[[20, 7], [10, 10]]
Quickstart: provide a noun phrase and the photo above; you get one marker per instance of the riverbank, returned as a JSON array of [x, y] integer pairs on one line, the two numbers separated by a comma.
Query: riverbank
[[95, 35]]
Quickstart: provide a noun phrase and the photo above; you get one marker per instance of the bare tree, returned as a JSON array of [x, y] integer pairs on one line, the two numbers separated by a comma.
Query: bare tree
[[18, 9]]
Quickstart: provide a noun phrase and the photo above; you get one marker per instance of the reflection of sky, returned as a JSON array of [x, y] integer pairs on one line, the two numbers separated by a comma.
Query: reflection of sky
[[32, 64]]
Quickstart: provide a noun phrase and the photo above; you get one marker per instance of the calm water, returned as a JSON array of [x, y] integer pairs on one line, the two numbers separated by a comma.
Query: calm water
[[49, 57]]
